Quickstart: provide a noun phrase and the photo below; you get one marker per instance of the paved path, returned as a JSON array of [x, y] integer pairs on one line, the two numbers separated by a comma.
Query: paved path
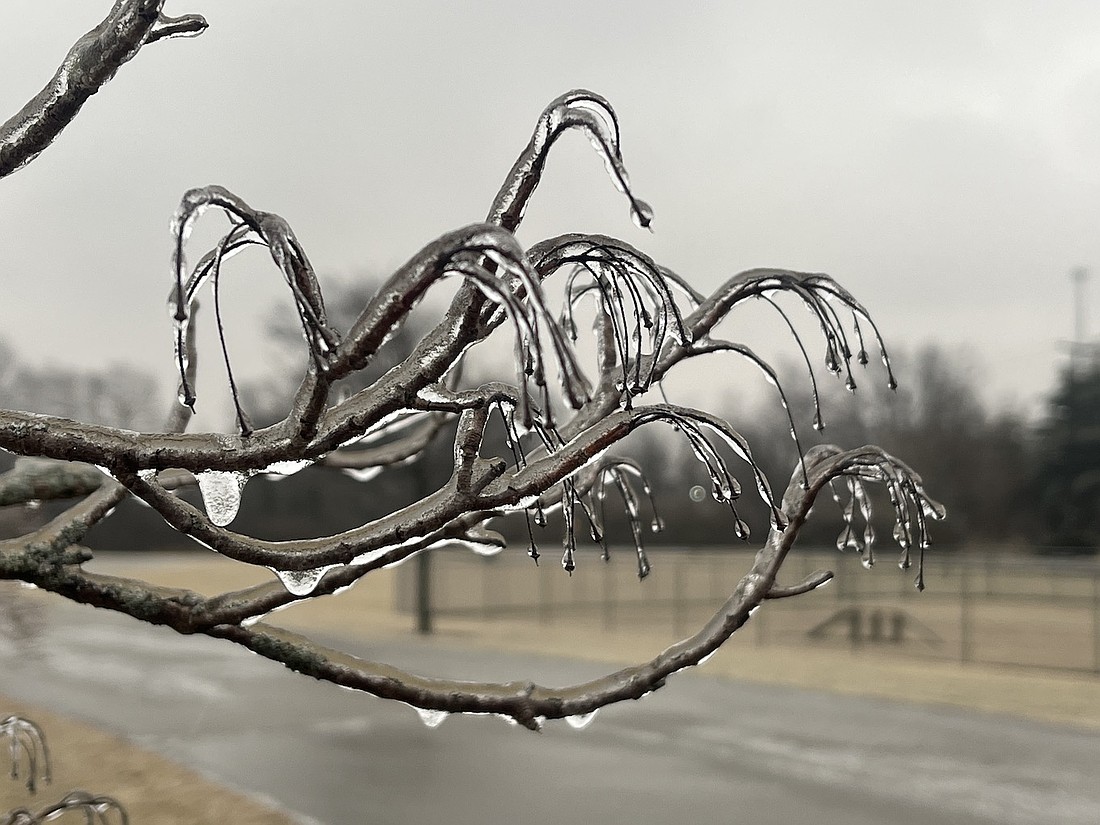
[[700, 750]]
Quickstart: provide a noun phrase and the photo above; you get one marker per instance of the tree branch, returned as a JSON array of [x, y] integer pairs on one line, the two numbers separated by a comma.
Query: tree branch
[[90, 63], [648, 319]]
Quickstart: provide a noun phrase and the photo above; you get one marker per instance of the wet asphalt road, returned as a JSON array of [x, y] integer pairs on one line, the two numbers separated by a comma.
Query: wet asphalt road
[[700, 750]]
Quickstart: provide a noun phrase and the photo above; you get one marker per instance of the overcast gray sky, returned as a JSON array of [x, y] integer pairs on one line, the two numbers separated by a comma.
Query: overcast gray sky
[[941, 159]]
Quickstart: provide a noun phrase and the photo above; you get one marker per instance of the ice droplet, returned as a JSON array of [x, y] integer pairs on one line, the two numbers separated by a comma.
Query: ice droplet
[[581, 720], [432, 718], [302, 582], [933, 509], [221, 493], [642, 214]]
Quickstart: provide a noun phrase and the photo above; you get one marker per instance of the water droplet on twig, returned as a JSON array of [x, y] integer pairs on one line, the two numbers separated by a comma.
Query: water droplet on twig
[[302, 582]]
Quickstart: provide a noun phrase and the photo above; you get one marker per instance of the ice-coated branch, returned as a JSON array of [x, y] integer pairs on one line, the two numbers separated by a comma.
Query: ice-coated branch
[[578, 109], [527, 703], [90, 63], [816, 579], [30, 757], [97, 810], [43, 480], [561, 415]]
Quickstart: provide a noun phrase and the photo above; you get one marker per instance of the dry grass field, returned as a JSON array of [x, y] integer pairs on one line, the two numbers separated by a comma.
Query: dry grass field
[[603, 613], [153, 790]]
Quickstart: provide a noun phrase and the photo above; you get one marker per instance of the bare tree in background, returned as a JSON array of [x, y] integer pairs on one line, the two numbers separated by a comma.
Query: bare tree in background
[[118, 395], [939, 421], [560, 424]]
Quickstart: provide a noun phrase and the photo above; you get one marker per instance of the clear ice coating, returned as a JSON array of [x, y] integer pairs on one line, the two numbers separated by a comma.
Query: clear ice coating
[[581, 720], [282, 469], [432, 718], [641, 213], [221, 493], [26, 745]]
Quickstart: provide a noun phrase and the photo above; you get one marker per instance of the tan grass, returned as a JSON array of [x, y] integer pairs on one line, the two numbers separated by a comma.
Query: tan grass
[[153, 790], [368, 611]]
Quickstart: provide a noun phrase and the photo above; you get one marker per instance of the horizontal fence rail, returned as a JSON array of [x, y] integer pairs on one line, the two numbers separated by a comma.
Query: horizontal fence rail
[[991, 609]]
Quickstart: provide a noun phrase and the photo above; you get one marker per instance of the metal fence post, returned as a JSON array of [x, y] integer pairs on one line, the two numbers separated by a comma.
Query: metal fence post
[[424, 592], [1096, 619], [965, 618], [544, 596], [678, 595], [486, 566], [608, 597]]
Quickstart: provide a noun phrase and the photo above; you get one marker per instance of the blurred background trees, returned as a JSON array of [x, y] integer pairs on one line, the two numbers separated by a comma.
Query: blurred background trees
[[1066, 483], [1004, 478]]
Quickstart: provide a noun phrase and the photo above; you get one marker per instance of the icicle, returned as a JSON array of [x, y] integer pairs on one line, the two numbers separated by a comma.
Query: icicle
[[849, 539], [642, 214], [740, 528], [933, 509], [432, 718], [581, 720], [221, 493], [568, 557], [901, 535]]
